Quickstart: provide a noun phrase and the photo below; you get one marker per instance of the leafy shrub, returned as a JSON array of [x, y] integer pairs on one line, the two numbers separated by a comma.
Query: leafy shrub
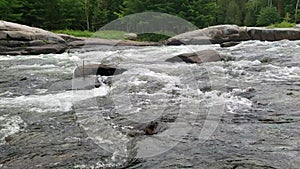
[[77, 33], [152, 37], [283, 24], [104, 34]]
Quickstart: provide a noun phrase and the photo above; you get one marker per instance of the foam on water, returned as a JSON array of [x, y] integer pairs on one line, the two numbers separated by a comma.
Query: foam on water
[[34, 66], [62, 56], [232, 102], [52, 102], [10, 125], [276, 73], [138, 55]]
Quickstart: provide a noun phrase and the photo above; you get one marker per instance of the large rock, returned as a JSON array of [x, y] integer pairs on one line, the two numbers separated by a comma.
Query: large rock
[[214, 34], [197, 57], [18, 39], [130, 36], [222, 34], [229, 44], [70, 38], [97, 69], [273, 34]]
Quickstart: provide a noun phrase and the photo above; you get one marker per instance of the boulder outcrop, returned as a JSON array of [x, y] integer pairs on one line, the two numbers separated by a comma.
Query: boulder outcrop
[[211, 35], [17, 39], [232, 33], [273, 34]]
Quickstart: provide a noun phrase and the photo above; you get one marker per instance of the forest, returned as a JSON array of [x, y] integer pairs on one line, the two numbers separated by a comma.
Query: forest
[[93, 14]]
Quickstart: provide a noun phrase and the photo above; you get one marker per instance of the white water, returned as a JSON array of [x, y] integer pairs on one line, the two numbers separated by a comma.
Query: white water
[[146, 66]]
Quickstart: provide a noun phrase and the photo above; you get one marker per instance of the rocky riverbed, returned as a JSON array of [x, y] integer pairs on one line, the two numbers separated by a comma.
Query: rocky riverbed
[[238, 112]]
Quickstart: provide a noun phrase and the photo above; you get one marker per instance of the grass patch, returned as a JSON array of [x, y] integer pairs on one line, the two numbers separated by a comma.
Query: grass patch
[[283, 24], [76, 33], [104, 34], [113, 34], [109, 34]]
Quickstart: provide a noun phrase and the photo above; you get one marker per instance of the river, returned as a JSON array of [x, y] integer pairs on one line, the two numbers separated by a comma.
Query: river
[[242, 112]]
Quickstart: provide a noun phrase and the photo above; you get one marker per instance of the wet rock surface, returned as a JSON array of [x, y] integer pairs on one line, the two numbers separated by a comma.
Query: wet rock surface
[[43, 124], [197, 57], [97, 69], [229, 44]]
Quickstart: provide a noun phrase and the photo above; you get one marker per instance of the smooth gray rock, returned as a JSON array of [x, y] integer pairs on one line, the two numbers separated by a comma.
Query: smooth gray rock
[[3, 35], [229, 44], [98, 43], [18, 43], [197, 57], [45, 49], [273, 34], [17, 39], [222, 34], [211, 35], [130, 36], [18, 31], [33, 50]]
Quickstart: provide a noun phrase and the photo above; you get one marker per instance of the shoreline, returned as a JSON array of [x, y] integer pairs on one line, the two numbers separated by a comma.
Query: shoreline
[[17, 39]]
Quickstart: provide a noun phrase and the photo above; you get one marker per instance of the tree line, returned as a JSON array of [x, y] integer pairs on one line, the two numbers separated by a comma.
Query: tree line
[[93, 14]]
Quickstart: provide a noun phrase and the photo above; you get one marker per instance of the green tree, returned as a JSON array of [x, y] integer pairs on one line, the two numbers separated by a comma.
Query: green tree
[[42, 13], [253, 8], [267, 16], [72, 14], [199, 12], [231, 11], [100, 12], [10, 10]]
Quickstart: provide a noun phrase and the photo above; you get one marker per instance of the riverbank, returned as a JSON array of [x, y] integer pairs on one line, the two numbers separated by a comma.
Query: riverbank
[[16, 39]]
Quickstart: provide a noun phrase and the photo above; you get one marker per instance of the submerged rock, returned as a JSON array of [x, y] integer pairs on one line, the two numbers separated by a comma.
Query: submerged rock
[[229, 44], [197, 57], [97, 69]]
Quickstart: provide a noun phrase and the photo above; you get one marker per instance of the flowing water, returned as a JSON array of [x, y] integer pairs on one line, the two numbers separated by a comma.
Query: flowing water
[[242, 112]]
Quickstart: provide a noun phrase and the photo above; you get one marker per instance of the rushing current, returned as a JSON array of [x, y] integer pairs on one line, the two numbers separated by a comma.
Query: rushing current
[[241, 112]]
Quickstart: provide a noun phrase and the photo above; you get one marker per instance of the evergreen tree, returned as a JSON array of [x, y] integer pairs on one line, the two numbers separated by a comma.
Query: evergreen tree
[[10, 10], [268, 16], [93, 14]]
